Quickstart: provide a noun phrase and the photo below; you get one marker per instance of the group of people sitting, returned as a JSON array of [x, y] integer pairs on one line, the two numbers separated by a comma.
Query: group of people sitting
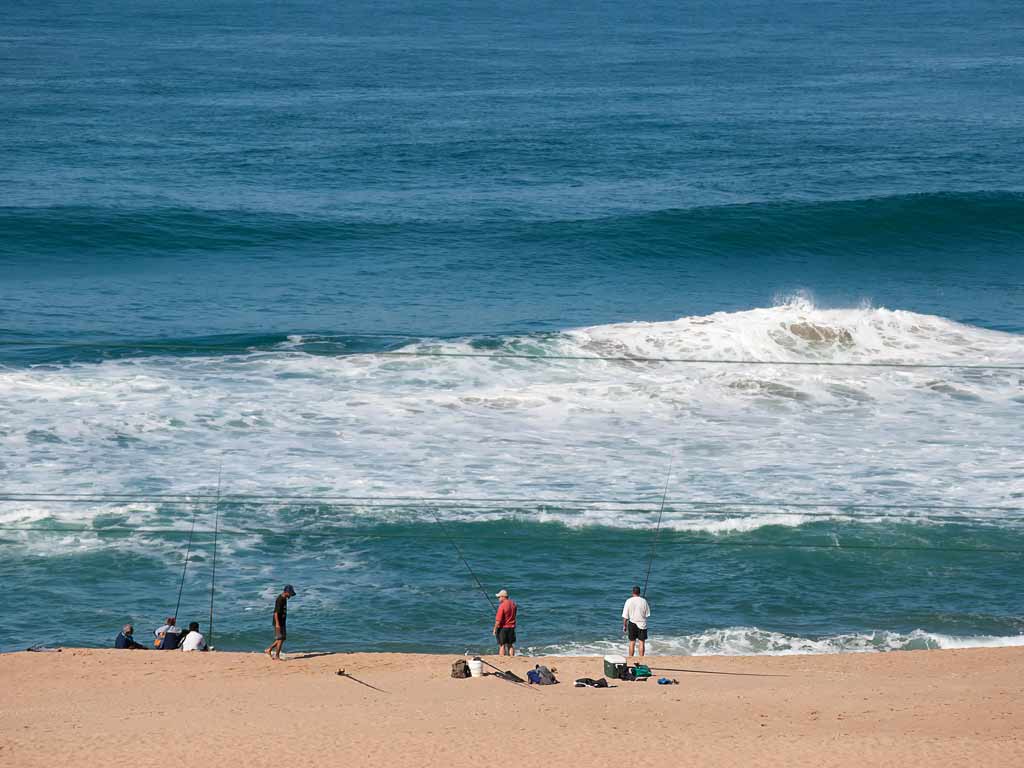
[[168, 637]]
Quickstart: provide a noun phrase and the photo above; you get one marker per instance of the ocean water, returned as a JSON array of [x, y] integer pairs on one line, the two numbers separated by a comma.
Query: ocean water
[[412, 283]]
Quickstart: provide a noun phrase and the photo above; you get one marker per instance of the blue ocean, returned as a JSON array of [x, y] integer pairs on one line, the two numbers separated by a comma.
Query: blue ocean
[[381, 300]]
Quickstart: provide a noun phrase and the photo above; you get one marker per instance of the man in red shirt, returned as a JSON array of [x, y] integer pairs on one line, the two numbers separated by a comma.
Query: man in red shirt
[[505, 624]]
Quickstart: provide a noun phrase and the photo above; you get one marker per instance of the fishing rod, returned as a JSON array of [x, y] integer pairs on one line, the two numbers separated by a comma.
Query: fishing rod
[[462, 557], [505, 675], [184, 567], [657, 530], [216, 529]]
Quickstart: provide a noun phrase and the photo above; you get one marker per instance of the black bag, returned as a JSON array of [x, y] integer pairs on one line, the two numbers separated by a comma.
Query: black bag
[[460, 669]]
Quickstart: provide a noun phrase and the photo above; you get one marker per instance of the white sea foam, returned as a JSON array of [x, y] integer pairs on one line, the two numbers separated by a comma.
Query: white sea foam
[[751, 641], [291, 422]]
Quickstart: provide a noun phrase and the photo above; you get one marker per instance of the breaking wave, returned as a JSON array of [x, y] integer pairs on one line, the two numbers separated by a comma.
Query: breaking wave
[[321, 415], [751, 641]]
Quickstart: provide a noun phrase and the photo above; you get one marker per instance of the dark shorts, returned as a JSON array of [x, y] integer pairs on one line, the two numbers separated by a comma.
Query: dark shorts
[[634, 632], [506, 636], [280, 634]]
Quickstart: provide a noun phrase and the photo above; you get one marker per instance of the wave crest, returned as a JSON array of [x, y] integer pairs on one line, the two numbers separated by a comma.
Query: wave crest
[[752, 641]]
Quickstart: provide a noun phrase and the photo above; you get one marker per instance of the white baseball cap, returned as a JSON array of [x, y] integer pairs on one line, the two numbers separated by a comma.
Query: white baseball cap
[[503, 593]]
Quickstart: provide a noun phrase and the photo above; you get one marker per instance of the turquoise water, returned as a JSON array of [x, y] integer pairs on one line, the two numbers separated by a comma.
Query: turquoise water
[[215, 222]]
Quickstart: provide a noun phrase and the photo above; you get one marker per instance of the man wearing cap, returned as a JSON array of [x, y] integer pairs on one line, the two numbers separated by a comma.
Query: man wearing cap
[[505, 624], [168, 636], [280, 621], [634, 620]]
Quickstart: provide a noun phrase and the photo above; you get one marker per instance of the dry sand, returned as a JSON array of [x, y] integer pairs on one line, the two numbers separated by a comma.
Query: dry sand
[[930, 708]]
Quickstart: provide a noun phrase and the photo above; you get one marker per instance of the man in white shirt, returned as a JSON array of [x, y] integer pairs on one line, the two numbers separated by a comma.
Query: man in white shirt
[[634, 620], [194, 640]]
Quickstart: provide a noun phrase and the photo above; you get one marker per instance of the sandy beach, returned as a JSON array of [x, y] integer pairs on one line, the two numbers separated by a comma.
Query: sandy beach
[[931, 708]]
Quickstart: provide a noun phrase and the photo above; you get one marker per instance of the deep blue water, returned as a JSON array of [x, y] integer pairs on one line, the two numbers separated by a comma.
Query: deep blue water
[[213, 219]]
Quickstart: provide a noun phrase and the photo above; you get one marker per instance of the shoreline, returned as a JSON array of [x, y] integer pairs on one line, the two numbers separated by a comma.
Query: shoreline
[[398, 709]]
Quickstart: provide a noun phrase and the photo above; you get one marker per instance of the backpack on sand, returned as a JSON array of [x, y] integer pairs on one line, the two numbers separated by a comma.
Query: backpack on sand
[[636, 672], [541, 675], [460, 669]]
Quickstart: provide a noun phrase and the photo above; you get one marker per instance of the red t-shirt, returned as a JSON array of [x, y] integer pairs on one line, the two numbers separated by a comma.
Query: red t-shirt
[[505, 618]]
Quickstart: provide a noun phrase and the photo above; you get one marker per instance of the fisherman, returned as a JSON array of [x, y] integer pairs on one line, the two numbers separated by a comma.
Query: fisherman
[[505, 624], [168, 636], [634, 620], [125, 639], [280, 622], [193, 640]]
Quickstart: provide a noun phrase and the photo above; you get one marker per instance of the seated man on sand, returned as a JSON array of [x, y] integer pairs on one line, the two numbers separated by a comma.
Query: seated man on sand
[[193, 640], [125, 638], [168, 636]]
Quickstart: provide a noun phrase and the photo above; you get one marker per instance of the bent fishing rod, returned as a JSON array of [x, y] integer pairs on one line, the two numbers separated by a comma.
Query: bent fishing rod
[[657, 530], [462, 557], [184, 567]]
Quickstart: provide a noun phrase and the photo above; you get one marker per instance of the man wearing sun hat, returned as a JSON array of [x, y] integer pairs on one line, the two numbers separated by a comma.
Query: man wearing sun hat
[[505, 624], [280, 622]]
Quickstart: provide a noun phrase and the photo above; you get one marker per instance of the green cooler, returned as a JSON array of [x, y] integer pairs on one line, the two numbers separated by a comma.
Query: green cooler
[[614, 666]]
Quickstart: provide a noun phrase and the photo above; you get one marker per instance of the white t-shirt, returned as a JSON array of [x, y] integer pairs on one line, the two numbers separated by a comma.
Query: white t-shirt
[[636, 610], [194, 641]]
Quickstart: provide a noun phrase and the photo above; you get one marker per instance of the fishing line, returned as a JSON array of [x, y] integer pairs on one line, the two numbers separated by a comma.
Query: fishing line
[[387, 502], [567, 538], [216, 528], [657, 530], [463, 558]]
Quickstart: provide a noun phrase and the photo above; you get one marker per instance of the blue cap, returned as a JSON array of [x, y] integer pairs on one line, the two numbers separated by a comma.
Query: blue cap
[[289, 589]]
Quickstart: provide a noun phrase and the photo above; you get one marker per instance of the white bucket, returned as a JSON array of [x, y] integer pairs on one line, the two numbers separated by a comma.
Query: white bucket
[[476, 668]]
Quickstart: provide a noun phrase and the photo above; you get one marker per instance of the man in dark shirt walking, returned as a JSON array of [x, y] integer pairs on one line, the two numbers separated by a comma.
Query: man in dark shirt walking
[[280, 622]]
